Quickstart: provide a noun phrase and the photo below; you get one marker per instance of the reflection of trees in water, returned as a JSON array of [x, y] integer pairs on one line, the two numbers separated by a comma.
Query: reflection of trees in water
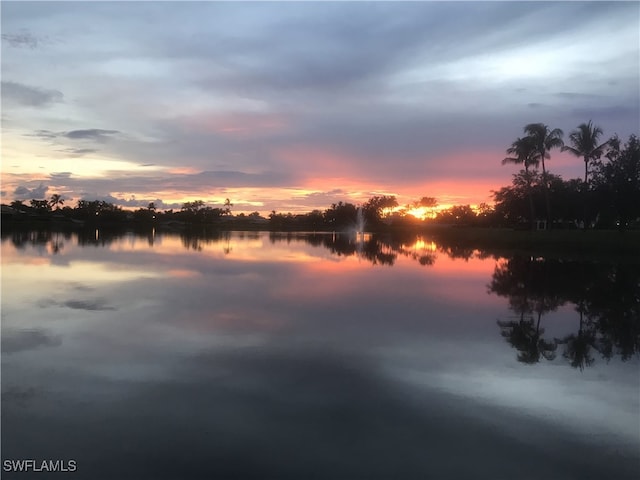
[[516, 279], [379, 250], [578, 346], [606, 297], [194, 240], [527, 339], [47, 239], [99, 237], [369, 248]]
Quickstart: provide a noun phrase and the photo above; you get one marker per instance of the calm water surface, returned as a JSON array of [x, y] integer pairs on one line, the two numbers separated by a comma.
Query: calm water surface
[[254, 355]]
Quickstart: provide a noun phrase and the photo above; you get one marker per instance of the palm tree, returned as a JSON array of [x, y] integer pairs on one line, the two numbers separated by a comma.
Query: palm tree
[[584, 142], [56, 200], [544, 140], [523, 152]]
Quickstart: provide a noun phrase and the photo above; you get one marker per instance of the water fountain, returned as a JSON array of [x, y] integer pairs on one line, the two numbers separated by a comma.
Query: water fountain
[[359, 227], [359, 221]]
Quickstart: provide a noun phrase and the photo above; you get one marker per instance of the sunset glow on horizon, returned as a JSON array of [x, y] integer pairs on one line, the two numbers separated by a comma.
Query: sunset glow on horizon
[[294, 107]]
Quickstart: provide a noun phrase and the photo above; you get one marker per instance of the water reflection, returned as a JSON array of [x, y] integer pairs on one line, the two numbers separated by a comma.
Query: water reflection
[[604, 295], [43, 240], [267, 355]]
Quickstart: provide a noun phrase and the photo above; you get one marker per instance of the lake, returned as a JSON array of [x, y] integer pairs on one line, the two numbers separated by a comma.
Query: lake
[[289, 356]]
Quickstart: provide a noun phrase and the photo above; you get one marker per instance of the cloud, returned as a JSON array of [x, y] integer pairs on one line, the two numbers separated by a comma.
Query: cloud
[[60, 176], [578, 95], [21, 40], [23, 193], [96, 134], [21, 94], [14, 341], [90, 305], [79, 152], [130, 202], [318, 95], [44, 134], [93, 134]]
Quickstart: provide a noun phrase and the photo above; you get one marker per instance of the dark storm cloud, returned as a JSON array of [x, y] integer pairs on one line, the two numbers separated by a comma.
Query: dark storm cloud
[[26, 95]]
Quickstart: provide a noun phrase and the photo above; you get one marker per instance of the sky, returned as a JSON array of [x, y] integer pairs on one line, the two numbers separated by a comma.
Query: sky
[[292, 106]]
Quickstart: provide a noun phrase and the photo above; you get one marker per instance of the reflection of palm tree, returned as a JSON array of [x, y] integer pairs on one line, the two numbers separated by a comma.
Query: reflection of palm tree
[[227, 236], [527, 339], [56, 244], [526, 283], [578, 347]]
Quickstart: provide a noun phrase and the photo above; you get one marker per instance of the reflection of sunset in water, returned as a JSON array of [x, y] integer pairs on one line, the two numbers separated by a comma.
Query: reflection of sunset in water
[[161, 332]]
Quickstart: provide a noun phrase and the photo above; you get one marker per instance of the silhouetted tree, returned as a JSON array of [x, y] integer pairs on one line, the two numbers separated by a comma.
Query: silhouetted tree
[[523, 152], [618, 181], [340, 216], [585, 144], [18, 205], [374, 208], [56, 201], [544, 140], [458, 215], [40, 206], [226, 210]]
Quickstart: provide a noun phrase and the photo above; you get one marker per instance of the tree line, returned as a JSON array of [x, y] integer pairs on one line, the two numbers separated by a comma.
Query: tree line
[[607, 197]]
